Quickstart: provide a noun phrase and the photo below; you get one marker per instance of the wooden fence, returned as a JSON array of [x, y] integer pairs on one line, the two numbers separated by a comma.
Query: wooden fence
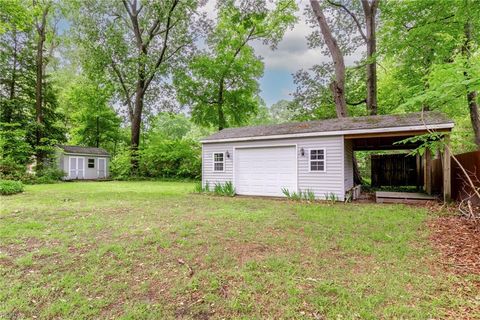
[[460, 187], [394, 170], [470, 161]]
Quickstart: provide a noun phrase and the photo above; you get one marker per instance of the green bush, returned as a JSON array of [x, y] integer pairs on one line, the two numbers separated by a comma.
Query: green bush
[[120, 167], [8, 187], [11, 170], [171, 159], [49, 175], [165, 159]]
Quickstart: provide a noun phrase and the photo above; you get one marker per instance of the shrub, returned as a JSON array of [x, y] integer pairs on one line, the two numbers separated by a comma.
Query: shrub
[[171, 159], [120, 166], [8, 187], [49, 174], [11, 170]]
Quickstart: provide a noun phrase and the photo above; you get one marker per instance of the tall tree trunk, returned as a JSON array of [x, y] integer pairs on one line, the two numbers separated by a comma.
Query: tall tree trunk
[[338, 84], [39, 86], [136, 124], [221, 115], [370, 11], [8, 114], [97, 135], [471, 94]]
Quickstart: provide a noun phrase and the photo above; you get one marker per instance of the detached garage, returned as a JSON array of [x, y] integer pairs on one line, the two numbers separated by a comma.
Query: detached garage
[[83, 162], [314, 156]]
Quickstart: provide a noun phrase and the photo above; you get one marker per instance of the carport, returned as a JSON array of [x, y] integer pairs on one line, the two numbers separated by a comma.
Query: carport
[[385, 140]]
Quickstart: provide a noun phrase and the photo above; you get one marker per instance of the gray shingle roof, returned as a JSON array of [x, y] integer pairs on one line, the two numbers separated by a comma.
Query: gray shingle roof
[[84, 150], [343, 124]]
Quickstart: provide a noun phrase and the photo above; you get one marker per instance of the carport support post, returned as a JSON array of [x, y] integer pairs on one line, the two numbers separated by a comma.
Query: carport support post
[[447, 175], [427, 172]]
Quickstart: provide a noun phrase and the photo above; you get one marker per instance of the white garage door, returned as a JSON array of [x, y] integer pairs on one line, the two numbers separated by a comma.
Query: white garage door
[[265, 171]]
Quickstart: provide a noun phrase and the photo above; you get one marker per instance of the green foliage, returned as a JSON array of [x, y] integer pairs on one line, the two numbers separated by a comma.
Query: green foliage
[[120, 165], [432, 141], [10, 169], [13, 143], [223, 189], [8, 187], [93, 122], [331, 197], [170, 159], [49, 174], [221, 83], [307, 195], [199, 188]]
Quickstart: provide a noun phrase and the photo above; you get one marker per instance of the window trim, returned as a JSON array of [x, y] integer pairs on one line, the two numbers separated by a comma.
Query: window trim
[[94, 163], [310, 160], [213, 161]]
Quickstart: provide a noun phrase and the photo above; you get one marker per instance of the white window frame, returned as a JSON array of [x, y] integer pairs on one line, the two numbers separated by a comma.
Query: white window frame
[[310, 160], [213, 161], [94, 163]]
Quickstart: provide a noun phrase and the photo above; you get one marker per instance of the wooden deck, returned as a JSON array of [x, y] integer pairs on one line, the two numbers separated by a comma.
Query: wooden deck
[[403, 197]]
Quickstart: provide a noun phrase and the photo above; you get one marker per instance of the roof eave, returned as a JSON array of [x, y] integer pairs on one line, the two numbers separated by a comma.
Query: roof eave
[[448, 125], [85, 154]]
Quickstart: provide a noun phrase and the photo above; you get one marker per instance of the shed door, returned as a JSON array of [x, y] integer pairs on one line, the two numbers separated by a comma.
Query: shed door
[[265, 171], [101, 168], [76, 168]]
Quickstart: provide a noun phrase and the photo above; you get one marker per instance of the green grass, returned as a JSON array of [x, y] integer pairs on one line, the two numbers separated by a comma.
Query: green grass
[[125, 250]]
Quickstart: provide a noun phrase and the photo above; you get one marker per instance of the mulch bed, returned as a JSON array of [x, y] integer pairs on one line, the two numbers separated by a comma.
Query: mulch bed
[[458, 241]]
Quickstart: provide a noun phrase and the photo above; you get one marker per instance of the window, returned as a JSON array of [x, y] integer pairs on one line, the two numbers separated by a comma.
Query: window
[[91, 163], [317, 160], [218, 161]]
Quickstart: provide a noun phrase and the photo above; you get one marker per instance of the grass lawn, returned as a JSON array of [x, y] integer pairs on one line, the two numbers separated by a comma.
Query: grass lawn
[[137, 250]]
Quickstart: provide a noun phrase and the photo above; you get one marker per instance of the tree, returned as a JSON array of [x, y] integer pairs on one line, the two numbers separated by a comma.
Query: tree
[[472, 94], [92, 121], [138, 43], [19, 82], [221, 83], [338, 83], [281, 112], [41, 29], [433, 45]]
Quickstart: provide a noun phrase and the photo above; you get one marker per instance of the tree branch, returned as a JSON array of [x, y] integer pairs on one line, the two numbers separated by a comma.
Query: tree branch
[[351, 14], [124, 87], [164, 48], [356, 103]]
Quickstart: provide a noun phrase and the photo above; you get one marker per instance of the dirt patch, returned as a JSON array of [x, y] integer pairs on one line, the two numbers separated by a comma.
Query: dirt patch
[[458, 241]]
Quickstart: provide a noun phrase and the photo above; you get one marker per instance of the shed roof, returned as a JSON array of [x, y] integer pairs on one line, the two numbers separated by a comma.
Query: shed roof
[[84, 150], [407, 121]]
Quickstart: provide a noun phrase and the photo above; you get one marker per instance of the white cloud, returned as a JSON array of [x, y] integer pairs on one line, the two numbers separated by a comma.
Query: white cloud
[[293, 52]]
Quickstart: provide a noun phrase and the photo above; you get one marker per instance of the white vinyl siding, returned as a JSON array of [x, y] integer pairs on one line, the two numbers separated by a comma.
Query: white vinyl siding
[[348, 161], [320, 182]]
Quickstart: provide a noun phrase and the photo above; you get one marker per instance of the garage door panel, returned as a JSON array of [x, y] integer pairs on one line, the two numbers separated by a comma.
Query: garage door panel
[[265, 171]]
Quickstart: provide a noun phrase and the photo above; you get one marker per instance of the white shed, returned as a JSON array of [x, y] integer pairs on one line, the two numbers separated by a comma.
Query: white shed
[[83, 162], [306, 156]]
